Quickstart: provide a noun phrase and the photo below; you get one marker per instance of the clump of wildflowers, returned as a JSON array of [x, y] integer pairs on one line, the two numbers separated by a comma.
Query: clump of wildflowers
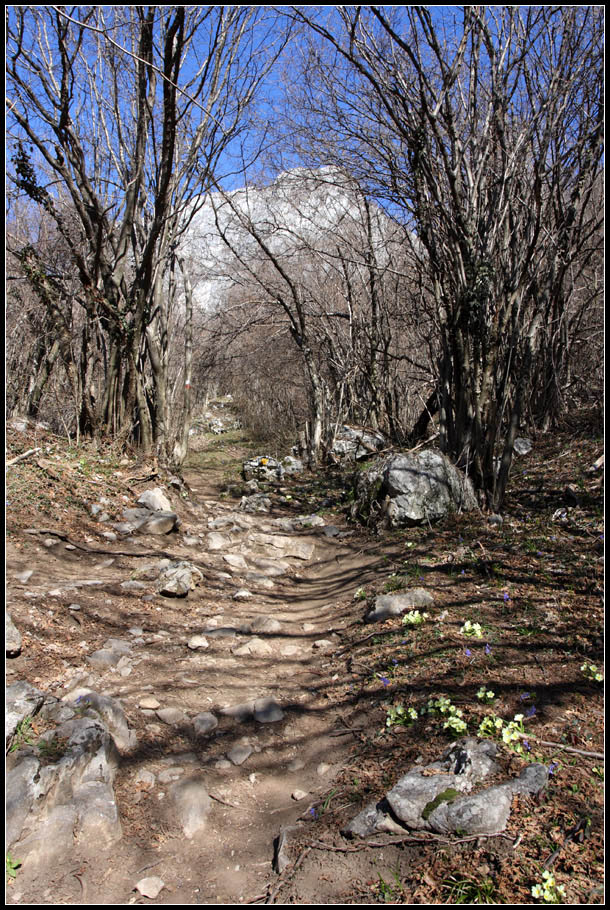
[[490, 725], [400, 716], [442, 705], [360, 594], [591, 671], [549, 891], [472, 628], [414, 618], [486, 695]]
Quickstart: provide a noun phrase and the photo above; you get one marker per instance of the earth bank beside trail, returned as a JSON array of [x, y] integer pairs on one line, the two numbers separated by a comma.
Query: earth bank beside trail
[[299, 642]]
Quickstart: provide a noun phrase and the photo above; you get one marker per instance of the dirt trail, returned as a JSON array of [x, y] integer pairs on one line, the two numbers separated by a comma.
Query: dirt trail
[[311, 600]]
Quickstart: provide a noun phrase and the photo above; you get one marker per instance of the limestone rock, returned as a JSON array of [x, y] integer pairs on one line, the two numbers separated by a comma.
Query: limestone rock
[[21, 700], [267, 711], [438, 797], [161, 522], [410, 488], [205, 722], [387, 605], [355, 443], [12, 636], [150, 887], [263, 468], [178, 579], [155, 500]]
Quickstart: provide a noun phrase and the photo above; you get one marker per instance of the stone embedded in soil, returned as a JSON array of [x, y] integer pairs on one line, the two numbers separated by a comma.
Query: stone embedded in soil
[[159, 523], [12, 636], [197, 642], [235, 561], [155, 500], [239, 712], [239, 753], [150, 887], [437, 797], [204, 722], [242, 594], [149, 702], [256, 647], [144, 779], [267, 711], [172, 716], [387, 605]]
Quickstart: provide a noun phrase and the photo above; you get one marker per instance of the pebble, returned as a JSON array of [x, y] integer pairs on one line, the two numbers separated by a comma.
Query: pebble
[[197, 642], [204, 722], [171, 716], [267, 711], [298, 794], [239, 754], [242, 594], [150, 887]]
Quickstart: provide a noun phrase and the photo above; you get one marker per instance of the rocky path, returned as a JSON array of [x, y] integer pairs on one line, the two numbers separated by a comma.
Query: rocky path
[[229, 732]]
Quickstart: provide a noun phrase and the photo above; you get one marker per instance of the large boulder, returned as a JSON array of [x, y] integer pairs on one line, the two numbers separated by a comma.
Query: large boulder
[[439, 797], [356, 443], [412, 487]]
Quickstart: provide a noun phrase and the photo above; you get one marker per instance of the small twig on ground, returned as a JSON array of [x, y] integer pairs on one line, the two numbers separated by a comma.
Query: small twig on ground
[[546, 742], [22, 457], [292, 870], [223, 802], [581, 828]]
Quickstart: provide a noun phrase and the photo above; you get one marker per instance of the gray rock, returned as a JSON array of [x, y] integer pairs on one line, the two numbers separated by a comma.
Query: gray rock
[[150, 887], [532, 780], [104, 659], [205, 722], [191, 803], [408, 489], [155, 500], [292, 465], [255, 647], [281, 859], [110, 711], [235, 561], [21, 700], [216, 541], [178, 579], [136, 515], [159, 523], [133, 585], [12, 636], [438, 797], [263, 468], [387, 605], [240, 753], [73, 796], [24, 576], [242, 594], [355, 443], [172, 716], [267, 711], [522, 445], [258, 502], [287, 546], [266, 624], [239, 712], [197, 642]]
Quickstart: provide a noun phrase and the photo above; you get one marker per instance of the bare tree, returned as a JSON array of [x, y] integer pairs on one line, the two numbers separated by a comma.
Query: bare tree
[[118, 117], [312, 248], [487, 134]]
